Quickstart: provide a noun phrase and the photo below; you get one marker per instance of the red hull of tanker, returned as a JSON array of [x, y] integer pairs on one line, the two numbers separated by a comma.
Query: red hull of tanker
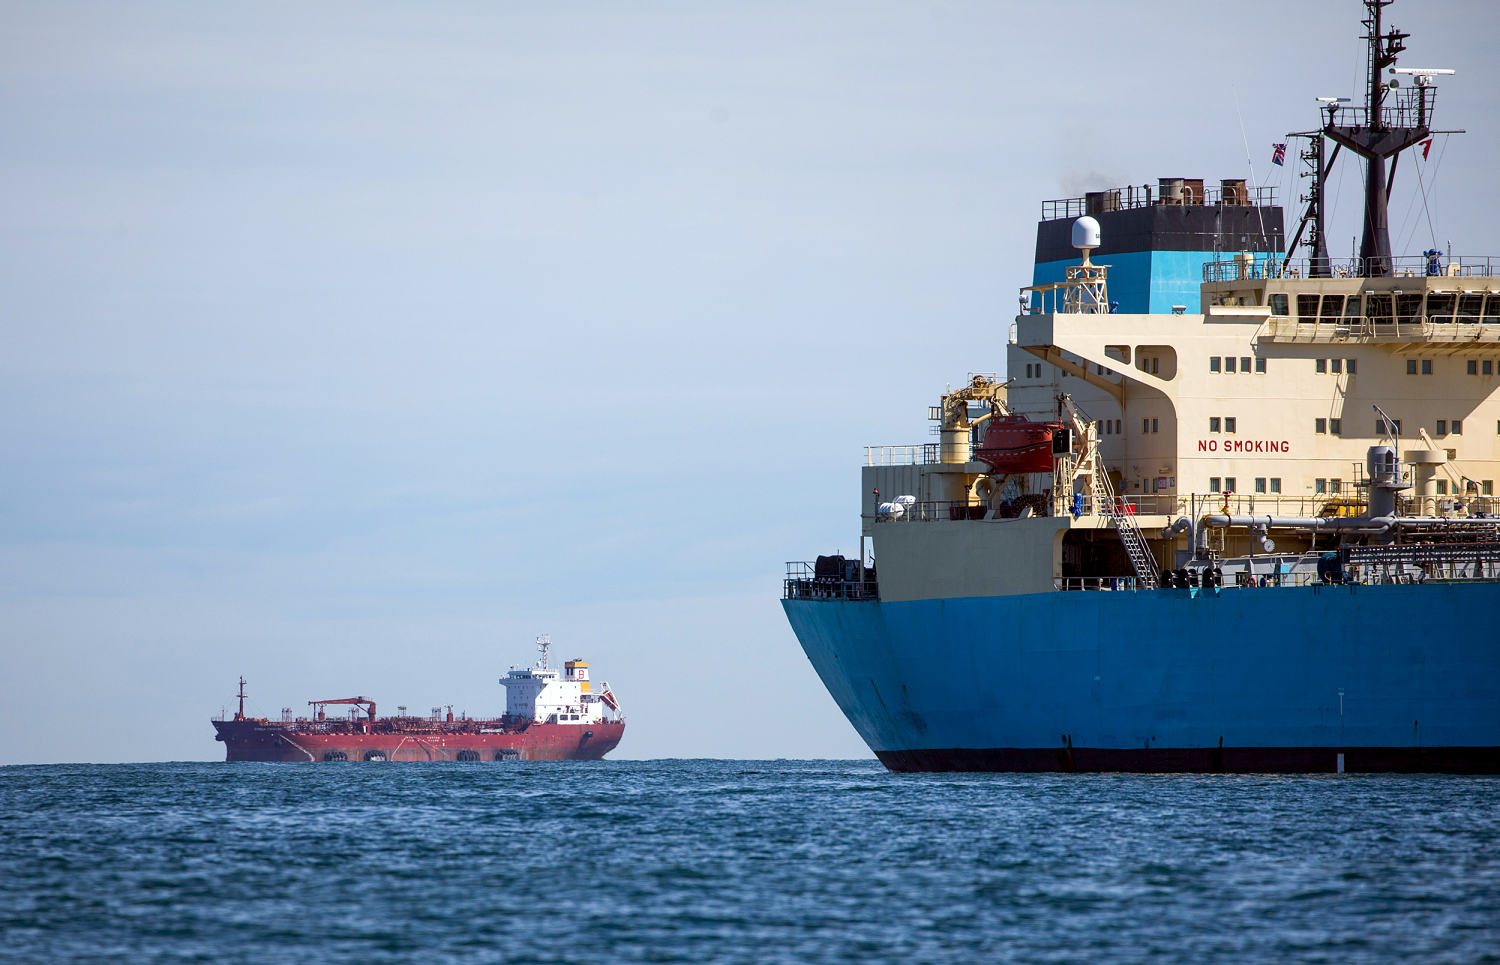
[[263, 740]]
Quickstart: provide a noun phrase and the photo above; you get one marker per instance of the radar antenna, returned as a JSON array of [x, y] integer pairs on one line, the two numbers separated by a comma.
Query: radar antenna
[[544, 645]]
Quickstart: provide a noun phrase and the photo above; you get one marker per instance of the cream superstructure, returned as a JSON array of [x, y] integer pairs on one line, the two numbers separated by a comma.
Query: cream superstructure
[[1265, 401], [1270, 390]]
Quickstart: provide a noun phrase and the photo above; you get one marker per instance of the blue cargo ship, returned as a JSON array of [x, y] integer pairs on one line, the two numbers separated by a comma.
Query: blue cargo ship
[[1262, 535]]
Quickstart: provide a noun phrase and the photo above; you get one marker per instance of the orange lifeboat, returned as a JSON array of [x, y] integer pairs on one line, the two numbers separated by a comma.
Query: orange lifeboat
[[1014, 443]]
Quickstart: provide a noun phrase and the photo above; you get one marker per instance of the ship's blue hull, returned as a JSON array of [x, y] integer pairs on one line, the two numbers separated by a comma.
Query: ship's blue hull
[[1388, 677]]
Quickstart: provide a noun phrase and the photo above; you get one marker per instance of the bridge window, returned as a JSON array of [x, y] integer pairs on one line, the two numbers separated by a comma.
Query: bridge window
[[1378, 307], [1469, 304], [1408, 306], [1278, 304], [1440, 306], [1307, 307], [1333, 308]]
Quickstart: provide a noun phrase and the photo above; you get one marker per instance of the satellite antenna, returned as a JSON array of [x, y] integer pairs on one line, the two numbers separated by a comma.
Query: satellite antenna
[[1086, 236]]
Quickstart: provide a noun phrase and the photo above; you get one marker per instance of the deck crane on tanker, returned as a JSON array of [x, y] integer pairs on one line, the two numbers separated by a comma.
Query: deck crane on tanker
[[365, 702]]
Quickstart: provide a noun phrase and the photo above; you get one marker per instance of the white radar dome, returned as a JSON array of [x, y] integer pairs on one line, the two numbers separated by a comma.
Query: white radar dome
[[1085, 233]]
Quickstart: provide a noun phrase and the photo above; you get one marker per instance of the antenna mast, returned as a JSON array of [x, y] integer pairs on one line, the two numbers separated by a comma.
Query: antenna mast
[[1379, 131]]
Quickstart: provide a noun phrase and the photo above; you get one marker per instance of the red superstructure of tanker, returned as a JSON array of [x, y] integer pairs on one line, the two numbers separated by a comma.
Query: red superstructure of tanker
[[549, 716]]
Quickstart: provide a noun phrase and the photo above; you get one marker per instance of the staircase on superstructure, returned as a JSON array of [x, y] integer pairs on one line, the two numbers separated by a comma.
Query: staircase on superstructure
[[1090, 463]]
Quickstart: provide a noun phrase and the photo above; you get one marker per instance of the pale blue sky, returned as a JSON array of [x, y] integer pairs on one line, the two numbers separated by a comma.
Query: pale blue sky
[[350, 346]]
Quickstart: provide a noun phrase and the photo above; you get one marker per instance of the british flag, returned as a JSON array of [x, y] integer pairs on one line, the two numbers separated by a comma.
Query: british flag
[[1278, 154]]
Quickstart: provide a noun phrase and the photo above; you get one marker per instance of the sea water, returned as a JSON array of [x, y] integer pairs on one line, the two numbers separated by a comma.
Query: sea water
[[739, 861]]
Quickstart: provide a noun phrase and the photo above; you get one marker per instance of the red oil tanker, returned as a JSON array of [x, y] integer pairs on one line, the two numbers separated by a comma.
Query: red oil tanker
[[548, 717]]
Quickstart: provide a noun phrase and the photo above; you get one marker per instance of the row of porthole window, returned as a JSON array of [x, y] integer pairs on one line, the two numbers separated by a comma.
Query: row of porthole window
[[1228, 424], [1474, 365], [1337, 366], [1263, 484], [1486, 487], [1443, 427], [1228, 364]]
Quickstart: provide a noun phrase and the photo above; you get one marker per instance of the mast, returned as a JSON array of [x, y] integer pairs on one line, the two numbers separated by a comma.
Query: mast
[[1378, 131], [1313, 217]]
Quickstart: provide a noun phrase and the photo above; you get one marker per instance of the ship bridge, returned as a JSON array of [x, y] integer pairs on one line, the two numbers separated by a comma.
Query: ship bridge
[[1431, 305]]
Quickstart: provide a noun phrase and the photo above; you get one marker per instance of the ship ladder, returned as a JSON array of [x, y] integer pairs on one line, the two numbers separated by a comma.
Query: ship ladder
[[1141, 559]]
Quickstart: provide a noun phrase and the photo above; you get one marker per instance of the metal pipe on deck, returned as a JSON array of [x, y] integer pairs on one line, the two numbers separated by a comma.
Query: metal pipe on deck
[[1337, 524]]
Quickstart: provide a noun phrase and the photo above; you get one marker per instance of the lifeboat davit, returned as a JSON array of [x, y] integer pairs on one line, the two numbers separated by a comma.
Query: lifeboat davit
[[1014, 443]]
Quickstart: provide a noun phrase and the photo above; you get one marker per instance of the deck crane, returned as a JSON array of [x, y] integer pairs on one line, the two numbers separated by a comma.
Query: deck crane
[[985, 389], [364, 702]]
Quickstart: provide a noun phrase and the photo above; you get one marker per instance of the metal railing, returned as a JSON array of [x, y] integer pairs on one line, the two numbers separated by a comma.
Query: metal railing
[[953, 510], [803, 583], [1349, 501], [1133, 196], [1406, 266], [922, 454], [1420, 328], [1402, 107], [1078, 583]]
